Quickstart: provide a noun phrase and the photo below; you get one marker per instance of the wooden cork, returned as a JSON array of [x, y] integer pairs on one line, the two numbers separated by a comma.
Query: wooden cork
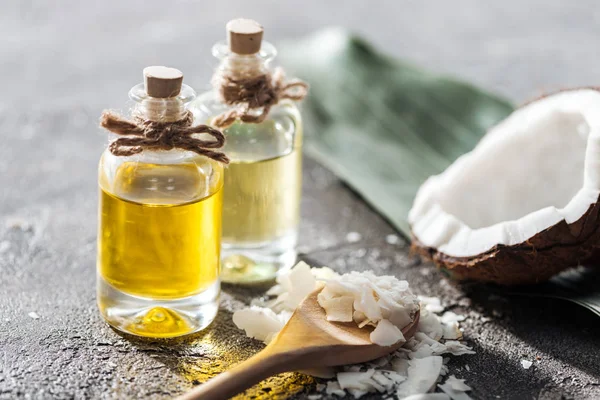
[[162, 82], [244, 35]]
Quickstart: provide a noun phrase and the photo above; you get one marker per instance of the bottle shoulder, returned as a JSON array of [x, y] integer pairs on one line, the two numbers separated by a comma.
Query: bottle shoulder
[[160, 177], [208, 105], [278, 135]]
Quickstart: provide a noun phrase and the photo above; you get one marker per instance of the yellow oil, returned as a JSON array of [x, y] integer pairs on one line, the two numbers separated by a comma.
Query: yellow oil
[[159, 235], [159, 322], [261, 199]]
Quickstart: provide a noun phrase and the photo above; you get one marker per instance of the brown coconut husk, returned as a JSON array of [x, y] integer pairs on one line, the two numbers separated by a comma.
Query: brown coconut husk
[[555, 249]]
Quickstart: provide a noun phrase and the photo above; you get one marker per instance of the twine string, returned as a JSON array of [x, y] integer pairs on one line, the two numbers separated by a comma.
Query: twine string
[[140, 134], [255, 96]]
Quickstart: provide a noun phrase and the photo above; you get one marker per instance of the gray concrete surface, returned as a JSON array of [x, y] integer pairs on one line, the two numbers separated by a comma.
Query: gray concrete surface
[[62, 62]]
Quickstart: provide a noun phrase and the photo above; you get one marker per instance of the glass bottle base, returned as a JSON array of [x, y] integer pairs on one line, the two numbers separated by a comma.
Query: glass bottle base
[[157, 318], [255, 263]]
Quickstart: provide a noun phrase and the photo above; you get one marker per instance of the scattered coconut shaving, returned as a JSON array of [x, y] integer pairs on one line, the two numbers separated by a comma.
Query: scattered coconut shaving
[[455, 388], [385, 303], [526, 364], [33, 315]]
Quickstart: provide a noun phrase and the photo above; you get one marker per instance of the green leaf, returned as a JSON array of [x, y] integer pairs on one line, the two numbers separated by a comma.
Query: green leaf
[[384, 126], [381, 125]]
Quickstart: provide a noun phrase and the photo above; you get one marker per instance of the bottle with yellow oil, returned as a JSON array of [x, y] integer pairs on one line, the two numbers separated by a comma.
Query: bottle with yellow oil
[[161, 197], [257, 110]]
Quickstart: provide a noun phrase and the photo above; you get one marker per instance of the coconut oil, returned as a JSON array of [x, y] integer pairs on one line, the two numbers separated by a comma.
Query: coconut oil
[[159, 237], [141, 250], [263, 198], [262, 191]]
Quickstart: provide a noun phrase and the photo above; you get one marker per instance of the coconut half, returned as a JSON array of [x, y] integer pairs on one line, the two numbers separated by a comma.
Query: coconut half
[[523, 205]]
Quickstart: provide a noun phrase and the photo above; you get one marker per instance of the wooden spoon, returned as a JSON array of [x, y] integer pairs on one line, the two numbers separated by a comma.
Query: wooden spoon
[[307, 341]]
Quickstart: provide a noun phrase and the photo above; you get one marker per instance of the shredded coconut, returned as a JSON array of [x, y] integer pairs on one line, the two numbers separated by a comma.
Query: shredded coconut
[[385, 303], [381, 301]]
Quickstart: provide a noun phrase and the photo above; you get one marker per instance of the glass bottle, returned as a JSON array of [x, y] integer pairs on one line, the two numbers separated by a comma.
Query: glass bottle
[[159, 228], [261, 205]]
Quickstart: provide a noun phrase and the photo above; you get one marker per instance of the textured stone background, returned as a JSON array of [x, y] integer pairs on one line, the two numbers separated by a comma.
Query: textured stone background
[[62, 62]]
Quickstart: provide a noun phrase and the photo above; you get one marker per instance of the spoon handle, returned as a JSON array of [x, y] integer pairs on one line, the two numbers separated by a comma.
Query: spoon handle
[[244, 375]]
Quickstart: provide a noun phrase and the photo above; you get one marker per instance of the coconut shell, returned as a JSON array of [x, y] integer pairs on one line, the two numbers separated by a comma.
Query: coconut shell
[[545, 254]]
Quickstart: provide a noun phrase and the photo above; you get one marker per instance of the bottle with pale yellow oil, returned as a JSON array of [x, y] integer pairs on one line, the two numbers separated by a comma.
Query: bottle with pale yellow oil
[[257, 111], [161, 196]]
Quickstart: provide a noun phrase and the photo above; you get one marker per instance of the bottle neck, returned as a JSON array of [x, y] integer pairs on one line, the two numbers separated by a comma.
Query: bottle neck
[[243, 66], [160, 110]]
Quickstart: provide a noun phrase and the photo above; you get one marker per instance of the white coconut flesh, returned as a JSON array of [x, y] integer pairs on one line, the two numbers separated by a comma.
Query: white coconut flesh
[[537, 168]]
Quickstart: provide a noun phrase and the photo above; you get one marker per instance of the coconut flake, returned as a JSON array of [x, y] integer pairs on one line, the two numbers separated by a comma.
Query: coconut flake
[[526, 364], [451, 331], [356, 393], [458, 349], [338, 309], [259, 323], [450, 317], [355, 380], [450, 326], [423, 374], [33, 315], [432, 304], [333, 387], [444, 370], [457, 384], [455, 388], [300, 282], [386, 334], [430, 324], [324, 274], [388, 379], [428, 396], [398, 316], [400, 365], [423, 346]]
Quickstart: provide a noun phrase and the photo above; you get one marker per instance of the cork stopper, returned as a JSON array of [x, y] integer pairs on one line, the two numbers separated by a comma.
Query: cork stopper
[[162, 82], [244, 36]]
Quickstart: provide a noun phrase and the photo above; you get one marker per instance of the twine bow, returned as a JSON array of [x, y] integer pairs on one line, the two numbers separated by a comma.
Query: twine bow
[[141, 134], [260, 92]]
